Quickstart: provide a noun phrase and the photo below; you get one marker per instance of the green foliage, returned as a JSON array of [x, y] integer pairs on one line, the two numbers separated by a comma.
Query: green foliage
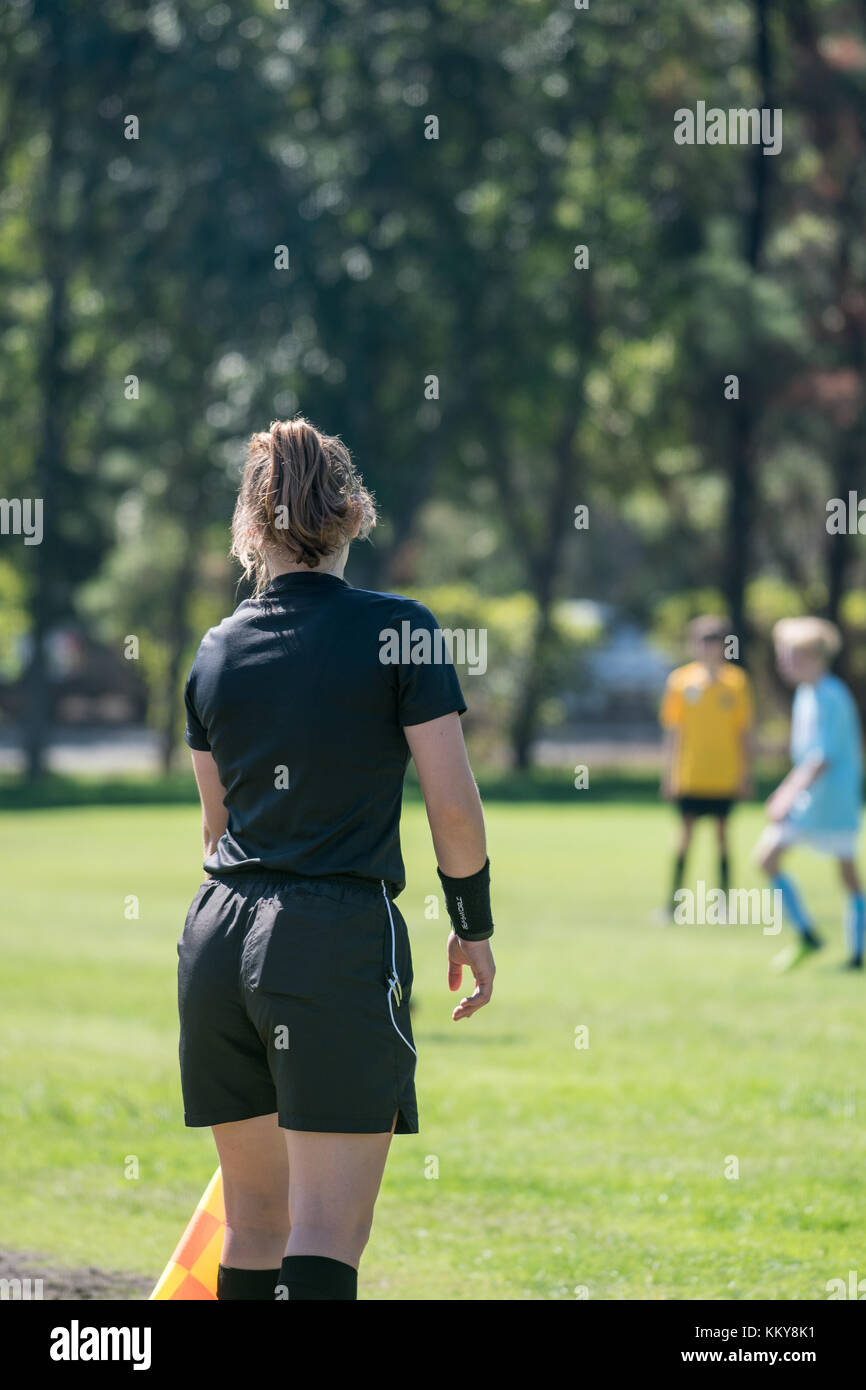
[[13, 619], [412, 258], [676, 611], [508, 624], [771, 599]]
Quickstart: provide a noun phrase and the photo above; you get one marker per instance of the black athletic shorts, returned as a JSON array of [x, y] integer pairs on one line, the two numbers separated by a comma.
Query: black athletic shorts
[[293, 997], [719, 806]]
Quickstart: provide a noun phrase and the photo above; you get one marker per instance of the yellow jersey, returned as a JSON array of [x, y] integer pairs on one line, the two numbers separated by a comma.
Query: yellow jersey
[[710, 715]]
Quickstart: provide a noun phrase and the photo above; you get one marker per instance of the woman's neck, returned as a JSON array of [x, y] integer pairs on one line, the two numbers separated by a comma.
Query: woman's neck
[[332, 564]]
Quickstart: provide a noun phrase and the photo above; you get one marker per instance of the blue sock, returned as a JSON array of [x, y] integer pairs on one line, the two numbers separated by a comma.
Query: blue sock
[[792, 904], [855, 924]]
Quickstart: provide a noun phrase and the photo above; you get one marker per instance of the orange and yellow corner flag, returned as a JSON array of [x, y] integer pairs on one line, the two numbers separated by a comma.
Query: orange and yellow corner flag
[[192, 1270]]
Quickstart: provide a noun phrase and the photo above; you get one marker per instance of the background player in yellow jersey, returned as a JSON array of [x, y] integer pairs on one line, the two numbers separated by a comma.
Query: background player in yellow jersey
[[707, 715]]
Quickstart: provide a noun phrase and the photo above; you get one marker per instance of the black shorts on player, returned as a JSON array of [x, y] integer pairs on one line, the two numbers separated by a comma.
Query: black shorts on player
[[716, 806], [294, 997], [692, 808]]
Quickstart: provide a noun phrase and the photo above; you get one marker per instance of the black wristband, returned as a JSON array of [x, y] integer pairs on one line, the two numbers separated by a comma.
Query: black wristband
[[468, 903]]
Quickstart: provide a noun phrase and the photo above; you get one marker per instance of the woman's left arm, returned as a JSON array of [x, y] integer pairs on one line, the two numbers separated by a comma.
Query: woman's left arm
[[214, 814]]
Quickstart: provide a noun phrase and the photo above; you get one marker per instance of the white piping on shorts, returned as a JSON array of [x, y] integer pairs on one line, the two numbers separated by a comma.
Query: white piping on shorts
[[393, 986]]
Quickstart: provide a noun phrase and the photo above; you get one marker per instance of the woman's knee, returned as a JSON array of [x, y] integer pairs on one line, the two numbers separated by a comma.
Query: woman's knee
[[251, 1214]]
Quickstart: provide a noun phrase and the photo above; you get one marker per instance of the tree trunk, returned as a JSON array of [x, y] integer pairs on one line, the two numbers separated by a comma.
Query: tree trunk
[[837, 548], [741, 494], [545, 570], [523, 728], [44, 601], [838, 551], [834, 113], [741, 480]]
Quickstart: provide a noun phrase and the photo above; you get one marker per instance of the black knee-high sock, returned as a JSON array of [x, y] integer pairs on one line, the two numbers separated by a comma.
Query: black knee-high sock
[[724, 873], [679, 875], [310, 1277], [246, 1283]]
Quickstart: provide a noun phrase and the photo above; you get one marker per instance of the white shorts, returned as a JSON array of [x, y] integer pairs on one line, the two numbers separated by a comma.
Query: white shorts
[[840, 844]]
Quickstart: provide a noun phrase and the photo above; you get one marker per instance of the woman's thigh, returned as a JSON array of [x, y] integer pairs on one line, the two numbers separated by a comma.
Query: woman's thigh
[[334, 1185], [255, 1173]]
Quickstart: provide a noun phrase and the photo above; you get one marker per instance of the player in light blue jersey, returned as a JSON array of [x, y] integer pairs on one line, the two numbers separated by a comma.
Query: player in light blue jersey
[[818, 803]]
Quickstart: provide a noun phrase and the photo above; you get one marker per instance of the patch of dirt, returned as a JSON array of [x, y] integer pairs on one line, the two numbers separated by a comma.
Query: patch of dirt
[[59, 1282]]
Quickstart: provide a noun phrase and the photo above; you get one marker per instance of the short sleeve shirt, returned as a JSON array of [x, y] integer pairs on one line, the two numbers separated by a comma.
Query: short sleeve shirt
[[710, 716], [825, 722], [302, 696]]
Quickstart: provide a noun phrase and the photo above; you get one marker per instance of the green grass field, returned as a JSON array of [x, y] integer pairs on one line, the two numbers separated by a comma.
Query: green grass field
[[558, 1167]]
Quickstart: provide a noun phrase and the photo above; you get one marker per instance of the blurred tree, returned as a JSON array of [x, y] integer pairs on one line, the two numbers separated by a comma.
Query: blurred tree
[[436, 308]]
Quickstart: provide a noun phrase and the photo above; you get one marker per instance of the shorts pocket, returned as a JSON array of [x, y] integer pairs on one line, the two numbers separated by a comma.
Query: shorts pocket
[[397, 954], [310, 947]]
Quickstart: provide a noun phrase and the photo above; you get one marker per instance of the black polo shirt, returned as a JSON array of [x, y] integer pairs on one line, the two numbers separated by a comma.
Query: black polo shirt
[[305, 723]]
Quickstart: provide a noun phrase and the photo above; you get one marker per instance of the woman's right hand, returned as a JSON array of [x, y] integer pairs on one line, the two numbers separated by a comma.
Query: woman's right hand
[[479, 957]]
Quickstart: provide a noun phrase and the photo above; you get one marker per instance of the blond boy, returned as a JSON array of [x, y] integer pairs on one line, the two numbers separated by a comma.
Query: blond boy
[[818, 802]]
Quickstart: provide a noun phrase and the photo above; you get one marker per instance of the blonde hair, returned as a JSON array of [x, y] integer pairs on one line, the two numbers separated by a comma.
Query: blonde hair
[[815, 635], [300, 493]]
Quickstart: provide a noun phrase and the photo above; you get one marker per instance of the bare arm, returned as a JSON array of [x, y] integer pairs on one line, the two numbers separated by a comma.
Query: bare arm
[[457, 826], [214, 815], [450, 795], [798, 780], [669, 751]]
